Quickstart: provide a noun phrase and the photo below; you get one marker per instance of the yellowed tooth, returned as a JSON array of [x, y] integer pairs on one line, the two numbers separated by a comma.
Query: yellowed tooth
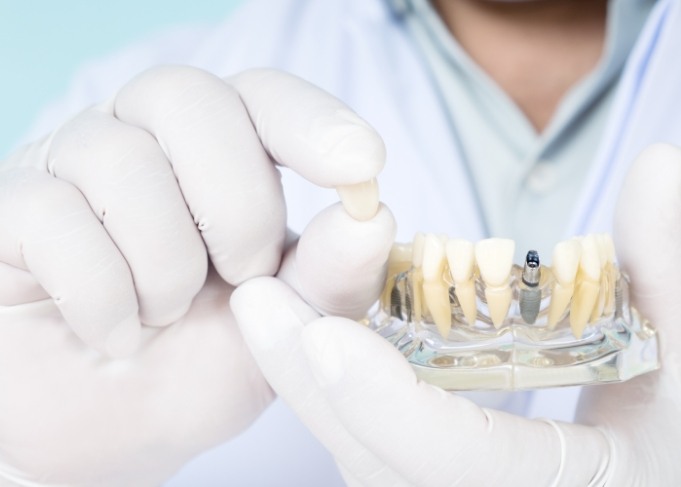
[[565, 264], [417, 276], [360, 200], [611, 274], [399, 261], [606, 256], [495, 260], [435, 289], [461, 260], [587, 286]]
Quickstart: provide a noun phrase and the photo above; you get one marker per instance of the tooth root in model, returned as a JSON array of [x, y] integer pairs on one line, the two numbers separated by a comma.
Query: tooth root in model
[[417, 276], [609, 273], [461, 261], [565, 264], [495, 260], [435, 288], [530, 293], [399, 261], [587, 286]]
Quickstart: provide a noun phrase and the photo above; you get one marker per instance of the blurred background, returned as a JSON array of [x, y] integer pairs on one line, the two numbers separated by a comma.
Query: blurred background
[[42, 44]]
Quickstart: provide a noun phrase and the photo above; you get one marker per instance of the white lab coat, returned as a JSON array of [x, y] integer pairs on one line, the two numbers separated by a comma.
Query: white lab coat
[[359, 51]]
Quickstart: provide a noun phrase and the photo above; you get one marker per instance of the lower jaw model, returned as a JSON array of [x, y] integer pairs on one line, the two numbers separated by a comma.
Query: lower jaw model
[[467, 318]]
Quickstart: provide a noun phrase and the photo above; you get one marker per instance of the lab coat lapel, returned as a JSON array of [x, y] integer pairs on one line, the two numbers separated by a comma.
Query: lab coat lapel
[[645, 111]]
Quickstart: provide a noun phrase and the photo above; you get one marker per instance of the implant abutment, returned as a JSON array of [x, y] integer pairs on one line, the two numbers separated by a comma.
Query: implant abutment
[[530, 293]]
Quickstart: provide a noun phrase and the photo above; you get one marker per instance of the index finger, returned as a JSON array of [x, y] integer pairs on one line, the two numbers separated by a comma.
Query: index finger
[[206, 128], [315, 134]]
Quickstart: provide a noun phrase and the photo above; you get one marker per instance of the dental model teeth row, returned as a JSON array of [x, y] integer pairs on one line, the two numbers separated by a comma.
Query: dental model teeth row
[[443, 274]]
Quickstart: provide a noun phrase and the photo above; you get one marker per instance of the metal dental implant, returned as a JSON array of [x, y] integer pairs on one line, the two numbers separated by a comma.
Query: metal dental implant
[[530, 294]]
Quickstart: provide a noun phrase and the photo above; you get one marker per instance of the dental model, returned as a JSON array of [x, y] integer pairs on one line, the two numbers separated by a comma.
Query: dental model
[[466, 317]]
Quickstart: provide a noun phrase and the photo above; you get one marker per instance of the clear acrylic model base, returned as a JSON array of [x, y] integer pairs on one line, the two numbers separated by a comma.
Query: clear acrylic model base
[[467, 318]]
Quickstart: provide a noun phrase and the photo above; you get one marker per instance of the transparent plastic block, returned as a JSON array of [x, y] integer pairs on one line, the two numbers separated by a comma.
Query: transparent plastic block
[[614, 346]]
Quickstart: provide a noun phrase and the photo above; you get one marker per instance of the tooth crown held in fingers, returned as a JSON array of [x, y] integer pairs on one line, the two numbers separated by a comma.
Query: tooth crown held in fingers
[[467, 317]]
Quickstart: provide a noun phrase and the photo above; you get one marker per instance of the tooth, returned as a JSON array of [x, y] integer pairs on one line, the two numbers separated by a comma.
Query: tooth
[[461, 257], [435, 289], [465, 293], [587, 286], [461, 260], [417, 250], [399, 261], [565, 263], [417, 276], [590, 262], [610, 272], [606, 255], [564, 267], [360, 200], [495, 260]]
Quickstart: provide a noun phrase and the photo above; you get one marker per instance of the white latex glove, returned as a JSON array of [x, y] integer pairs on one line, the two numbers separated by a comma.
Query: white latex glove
[[384, 427], [107, 229]]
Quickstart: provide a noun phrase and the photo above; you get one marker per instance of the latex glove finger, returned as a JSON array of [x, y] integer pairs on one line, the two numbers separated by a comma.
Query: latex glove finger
[[232, 189], [338, 265], [359, 396], [430, 436], [271, 317], [18, 286], [131, 188], [315, 134], [648, 236], [48, 228], [643, 411]]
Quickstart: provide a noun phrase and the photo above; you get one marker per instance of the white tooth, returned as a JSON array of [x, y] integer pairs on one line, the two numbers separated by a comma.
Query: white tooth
[[461, 260], [433, 263], [417, 250], [590, 262], [587, 286], [360, 200], [495, 260], [435, 288], [565, 263], [400, 253], [605, 249]]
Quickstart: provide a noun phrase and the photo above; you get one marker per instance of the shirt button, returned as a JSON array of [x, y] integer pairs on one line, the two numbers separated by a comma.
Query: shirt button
[[542, 178]]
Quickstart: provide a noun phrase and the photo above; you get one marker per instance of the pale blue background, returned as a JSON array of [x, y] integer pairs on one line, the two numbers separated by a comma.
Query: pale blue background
[[43, 42]]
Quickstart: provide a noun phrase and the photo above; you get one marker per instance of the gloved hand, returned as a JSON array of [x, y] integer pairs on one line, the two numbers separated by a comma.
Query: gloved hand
[[123, 233], [361, 399]]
